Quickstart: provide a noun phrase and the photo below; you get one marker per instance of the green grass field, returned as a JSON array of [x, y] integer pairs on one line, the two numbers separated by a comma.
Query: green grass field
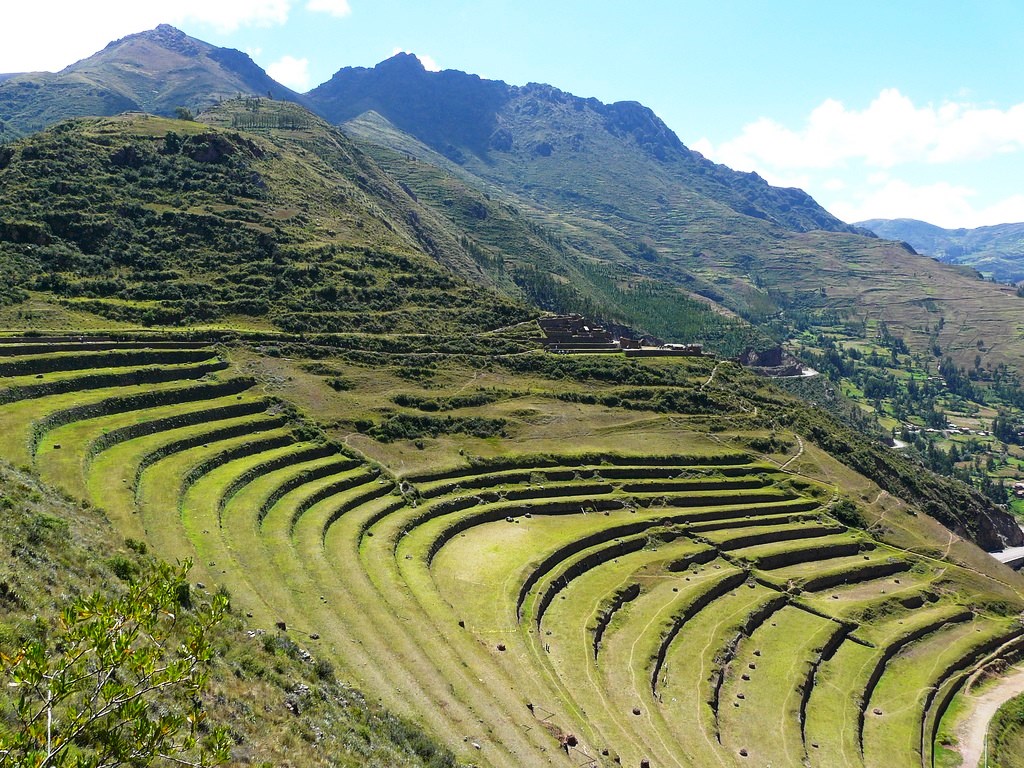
[[654, 591]]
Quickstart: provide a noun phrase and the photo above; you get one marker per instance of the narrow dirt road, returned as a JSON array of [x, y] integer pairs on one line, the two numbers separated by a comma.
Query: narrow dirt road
[[971, 732]]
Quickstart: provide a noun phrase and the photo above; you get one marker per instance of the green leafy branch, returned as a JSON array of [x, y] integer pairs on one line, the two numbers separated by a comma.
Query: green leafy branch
[[119, 683]]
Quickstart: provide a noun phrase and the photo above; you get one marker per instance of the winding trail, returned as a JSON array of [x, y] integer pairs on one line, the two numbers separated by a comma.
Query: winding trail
[[971, 732], [712, 376], [798, 454]]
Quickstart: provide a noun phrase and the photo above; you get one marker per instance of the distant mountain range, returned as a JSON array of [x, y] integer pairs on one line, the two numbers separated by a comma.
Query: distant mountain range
[[562, 202], [996, 251]]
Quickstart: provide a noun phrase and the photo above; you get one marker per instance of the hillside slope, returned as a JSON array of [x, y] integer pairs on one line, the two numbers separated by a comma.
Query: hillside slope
[[55, 549], [614, 182], [572, 541], [170, 221], [155, 71], [996, 251]]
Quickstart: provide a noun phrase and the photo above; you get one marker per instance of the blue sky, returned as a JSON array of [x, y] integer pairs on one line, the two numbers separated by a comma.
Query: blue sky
[[879, 109]]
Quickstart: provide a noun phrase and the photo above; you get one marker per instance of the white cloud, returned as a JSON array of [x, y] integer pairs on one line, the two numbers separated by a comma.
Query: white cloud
[[890, 131], [947, 205], [32, 41], [897, 199], [229, 15], [291, 72], [428, 62], [337, 8]]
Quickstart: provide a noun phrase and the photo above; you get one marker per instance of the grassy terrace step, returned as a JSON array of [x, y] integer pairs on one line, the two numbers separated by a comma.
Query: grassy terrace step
[[207, 502], [160, 499], [869, 566], [608, 609], [489, 559], [16, 389], [845, 681], [19, 433], [455, 523], [184, 417], [32, 365], [581, 531], [290, 570], [739, 538], [688, 676], [79, 442], [943, 695], [874, 609], [572, 567], [710, 518], [893, 738], [752, 522], [779, 555], [92, 435], [281, 490], [591, 462], [382, 652], [126, 401], [740, 473], [26, 346], [478, 510], [398, 571], [384, 486], [697, 494], [675, 716], [513, 556], [760, 701], [607, 544], [274, 429], [570, 632], [327, 479], [255, 467], [684, 611], [339, 492], [116, 475], [698, 484]]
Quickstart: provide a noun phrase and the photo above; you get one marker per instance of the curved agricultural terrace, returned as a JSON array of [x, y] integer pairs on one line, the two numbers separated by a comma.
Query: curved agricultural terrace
[[666, 610]]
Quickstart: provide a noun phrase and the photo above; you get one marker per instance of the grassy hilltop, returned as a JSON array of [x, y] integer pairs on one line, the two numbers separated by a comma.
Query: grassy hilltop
[[148, 219]]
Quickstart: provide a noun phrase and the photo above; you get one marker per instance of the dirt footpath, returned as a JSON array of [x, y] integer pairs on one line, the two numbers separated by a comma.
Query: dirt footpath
[[971, 732]]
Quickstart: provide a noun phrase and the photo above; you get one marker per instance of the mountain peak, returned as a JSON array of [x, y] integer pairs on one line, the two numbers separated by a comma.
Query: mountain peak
[[156, 71], [167, 37], [402, 61]]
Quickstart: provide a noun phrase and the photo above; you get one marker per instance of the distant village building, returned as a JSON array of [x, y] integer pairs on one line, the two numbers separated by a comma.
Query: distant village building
[[576, 334]]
